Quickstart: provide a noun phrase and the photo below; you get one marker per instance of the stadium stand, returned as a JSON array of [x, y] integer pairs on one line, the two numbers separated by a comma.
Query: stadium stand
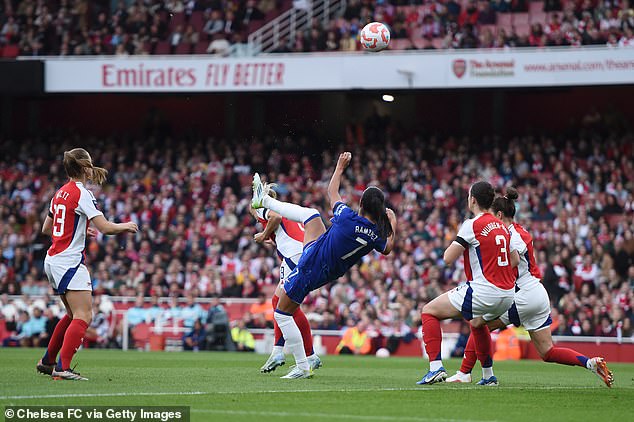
[[126, 27], [191, 199]]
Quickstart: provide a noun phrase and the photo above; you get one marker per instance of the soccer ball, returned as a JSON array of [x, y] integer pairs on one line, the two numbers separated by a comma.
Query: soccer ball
[[375, 36]]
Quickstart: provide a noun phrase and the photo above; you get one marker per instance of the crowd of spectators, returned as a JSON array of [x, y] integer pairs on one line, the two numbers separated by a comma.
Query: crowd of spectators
[[127, 27], [191, 198]]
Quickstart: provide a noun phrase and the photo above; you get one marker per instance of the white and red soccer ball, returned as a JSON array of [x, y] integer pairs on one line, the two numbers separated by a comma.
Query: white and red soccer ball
[[375, 37]]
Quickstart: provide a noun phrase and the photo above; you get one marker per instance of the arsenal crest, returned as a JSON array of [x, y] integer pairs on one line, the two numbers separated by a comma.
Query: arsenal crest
[[459, 67]]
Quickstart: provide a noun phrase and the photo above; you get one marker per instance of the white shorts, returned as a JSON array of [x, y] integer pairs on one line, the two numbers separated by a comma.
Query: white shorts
[[531, 308], [288, 265], [63, 278], [477, 300]]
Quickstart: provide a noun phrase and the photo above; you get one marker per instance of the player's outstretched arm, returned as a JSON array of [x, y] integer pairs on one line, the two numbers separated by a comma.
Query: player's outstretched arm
[[109, 228], [391, 240], [335, 180]]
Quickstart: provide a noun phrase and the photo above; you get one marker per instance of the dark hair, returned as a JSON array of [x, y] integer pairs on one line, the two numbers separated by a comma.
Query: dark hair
[[373, 204], [483, 193], [506, 204]]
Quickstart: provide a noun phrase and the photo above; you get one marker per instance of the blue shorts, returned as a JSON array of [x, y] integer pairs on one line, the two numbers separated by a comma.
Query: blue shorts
[[310, 274]]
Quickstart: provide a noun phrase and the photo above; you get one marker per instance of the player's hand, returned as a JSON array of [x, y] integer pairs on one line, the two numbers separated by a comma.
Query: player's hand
[[344, 160], [130, 227], [269, 242], [259, 237], [390, 215], [92, 232]]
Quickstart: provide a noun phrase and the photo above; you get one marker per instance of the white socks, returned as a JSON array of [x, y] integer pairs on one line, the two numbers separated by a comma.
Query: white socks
[[277, 350], [291, 211], [293, 337], [435, 365], [487, 372]]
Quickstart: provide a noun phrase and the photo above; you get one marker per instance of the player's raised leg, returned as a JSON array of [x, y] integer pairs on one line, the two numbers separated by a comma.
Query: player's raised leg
[[435, 311], [310, 217], [80, 303], [542, 339]]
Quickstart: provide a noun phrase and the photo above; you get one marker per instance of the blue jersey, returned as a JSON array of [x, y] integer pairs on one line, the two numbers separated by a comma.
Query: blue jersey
[[350, 237]]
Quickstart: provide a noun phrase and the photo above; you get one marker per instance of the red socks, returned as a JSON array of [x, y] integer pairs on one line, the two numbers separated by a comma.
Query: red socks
[[302, 323], [483, 347], [72, 340], [279, 339], [56, 341], [432, 336], [565, 357], [469, 360]]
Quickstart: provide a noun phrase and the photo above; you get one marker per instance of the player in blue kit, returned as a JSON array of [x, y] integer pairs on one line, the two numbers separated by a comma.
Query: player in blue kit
[[328, 254]]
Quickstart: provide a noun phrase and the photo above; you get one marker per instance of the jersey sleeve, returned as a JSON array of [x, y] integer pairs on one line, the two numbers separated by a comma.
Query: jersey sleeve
[[87, 205], [466, 235], [517, 244], [380, 244], [341, 212], [50, 209]]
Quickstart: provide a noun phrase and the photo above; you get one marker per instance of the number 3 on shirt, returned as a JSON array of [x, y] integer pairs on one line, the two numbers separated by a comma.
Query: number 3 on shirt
[[58, 220], [503, 259]]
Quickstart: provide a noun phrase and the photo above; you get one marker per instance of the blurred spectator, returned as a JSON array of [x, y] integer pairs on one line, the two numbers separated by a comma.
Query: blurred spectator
[[355, 340], [242, 338], [195, 339], [137, 314]]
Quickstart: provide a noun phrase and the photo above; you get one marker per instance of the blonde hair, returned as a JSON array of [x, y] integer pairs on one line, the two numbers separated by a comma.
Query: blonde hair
[[77, 160]]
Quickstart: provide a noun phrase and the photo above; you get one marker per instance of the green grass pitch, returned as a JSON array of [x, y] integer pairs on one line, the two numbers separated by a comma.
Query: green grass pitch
[[229, 387]]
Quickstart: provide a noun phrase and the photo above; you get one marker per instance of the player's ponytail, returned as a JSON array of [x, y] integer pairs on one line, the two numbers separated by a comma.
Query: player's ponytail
[[77, 160], [373, 205], [506, 204]]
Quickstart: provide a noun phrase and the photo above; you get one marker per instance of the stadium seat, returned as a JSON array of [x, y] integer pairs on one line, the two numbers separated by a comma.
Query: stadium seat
[[197, 21], [175, 20], [400, 44], [535, 7], [163, 47], [520, 19], [140, 335], [10, 51], [183, 48], [504, 19], [201, 47]]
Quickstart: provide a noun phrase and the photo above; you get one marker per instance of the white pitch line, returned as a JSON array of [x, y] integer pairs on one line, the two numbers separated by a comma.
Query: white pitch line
[[58, 396], [331, 416], [323, 390]]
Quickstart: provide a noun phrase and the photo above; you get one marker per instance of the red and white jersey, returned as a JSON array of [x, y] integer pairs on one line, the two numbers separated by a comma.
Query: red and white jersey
[[487, 244], [522, 242], [72, 207], [288, 237]]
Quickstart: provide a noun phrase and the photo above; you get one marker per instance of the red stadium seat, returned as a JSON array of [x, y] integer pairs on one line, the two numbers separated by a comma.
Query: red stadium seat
[[163, 47], [197, 21], [10, 51], [140, 335], [184, 48], [201, 47], [175, 20]]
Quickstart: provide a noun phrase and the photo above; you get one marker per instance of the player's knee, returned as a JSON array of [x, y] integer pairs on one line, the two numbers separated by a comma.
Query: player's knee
[[84, 316]]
